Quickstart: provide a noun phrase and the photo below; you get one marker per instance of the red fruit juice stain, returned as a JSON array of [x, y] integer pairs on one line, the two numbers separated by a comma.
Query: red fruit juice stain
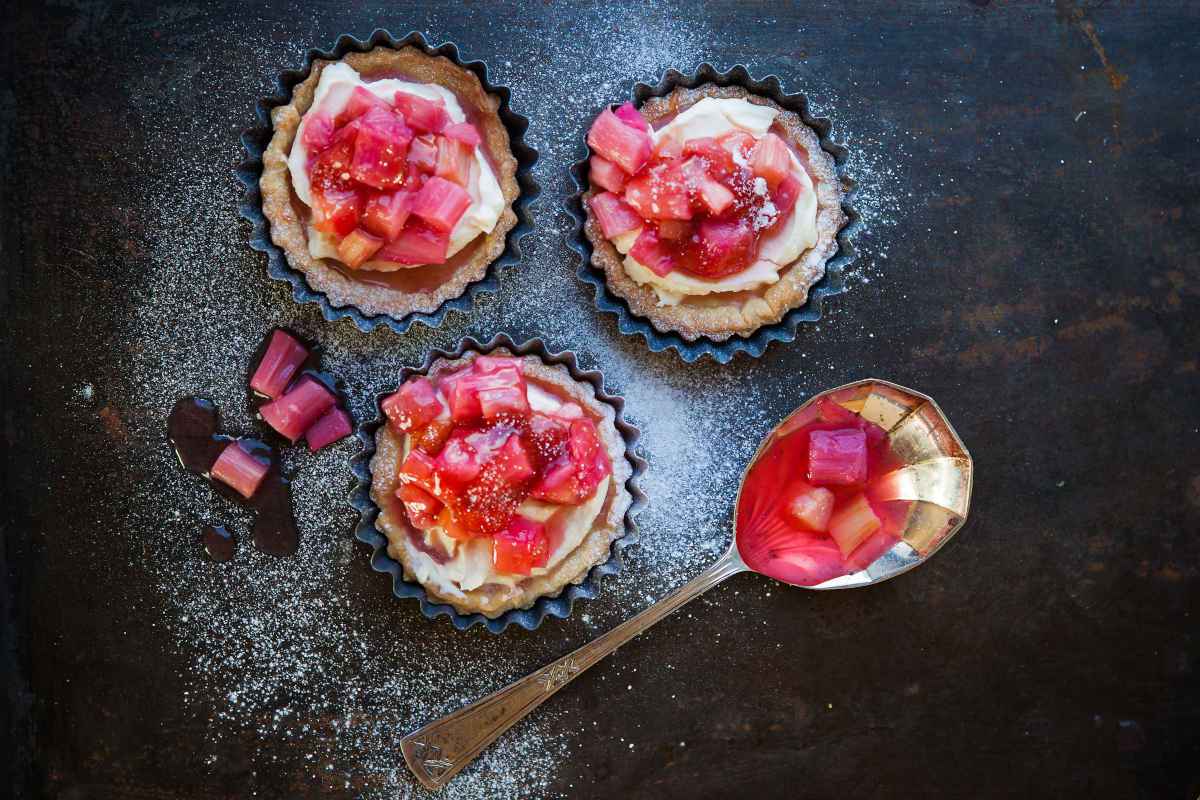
[[193, 429], [219, 542], [772, 541]]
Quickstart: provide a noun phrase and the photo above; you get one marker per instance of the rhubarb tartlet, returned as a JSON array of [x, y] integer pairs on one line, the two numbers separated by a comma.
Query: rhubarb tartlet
[[500, 479], [389, 180], [712, 210]]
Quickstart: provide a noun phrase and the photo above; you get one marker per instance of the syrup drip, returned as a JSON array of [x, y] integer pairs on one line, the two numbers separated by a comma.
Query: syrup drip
[[219, 542], [193, 430]]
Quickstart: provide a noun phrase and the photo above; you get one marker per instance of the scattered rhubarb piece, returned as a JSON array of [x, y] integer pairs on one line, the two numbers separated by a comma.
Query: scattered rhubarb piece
[[673, 229], [520, 548], [237, 468], [426, 116], [422, 154], [318, 133], [358, 247], [851, 524], [620, 143], [607, 175], [441, 204], [361, 101], [785, 194], [614, 215], [419, 469], [725, 246], [458, 462], [380, 150], [453, 527], [503, 400], [414, 405], [280, 363], [489, 364], [718, 161], [433, 436], [293, 412], [811, 507], [513, 462], [837, 458], [334, 426]]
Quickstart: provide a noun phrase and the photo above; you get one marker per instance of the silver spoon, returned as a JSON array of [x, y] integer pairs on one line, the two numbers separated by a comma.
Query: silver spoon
[[935, 472]]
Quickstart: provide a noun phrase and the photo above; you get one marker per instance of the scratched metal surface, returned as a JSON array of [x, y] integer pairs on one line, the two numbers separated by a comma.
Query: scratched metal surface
[[1041, 281]]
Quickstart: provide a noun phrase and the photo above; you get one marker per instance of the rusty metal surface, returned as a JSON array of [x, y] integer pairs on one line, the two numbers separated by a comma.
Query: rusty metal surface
[[1040, 278]]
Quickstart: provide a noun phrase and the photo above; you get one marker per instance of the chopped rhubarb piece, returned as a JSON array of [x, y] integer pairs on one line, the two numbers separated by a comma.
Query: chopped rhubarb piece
[[505, 400], [673, 229], [237, 468], [837, 458], [462, 397], [668, 148], [811, 507], [771, 160], [520, 548], [380, 150], [785, 194], [453, 527], [725, 247], [423, 153], [279, 365], [433, 436], [318, 133], [334, 426], [421, 507], [293, 412], [627, 113], [660, 193], [513, 463], [386, 213], [592, 474], [559, 483], [584, 441], [419, 469], [417, 244], [489, 364], [414, 405], [336, 211], [458, 462], [715, 196], [614, 215], [454, 161], [496, 377], [717, 160], [358, 247], [441, 204], [852, 523], [739, 145], [621, 144], [361, 101], [547, 433], [607, 175], [464, 132], [649, 251], [426, 116]]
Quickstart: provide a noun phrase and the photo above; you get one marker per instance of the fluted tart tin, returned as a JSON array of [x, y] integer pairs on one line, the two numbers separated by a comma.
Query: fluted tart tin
[[256, 140], [754, 343], [559, 605]]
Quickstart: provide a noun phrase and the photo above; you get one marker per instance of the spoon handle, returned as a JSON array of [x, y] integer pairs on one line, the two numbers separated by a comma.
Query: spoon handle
[[436, 752]]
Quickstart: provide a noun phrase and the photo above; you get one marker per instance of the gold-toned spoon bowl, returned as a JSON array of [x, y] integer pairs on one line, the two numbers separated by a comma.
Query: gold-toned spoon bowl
[[930, 470]]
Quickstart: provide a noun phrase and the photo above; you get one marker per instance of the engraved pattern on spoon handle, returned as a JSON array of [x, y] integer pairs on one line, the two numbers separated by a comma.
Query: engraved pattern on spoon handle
[[437, 752]]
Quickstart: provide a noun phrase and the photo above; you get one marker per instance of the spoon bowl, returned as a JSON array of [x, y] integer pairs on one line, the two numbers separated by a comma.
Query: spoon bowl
[[927, 483]]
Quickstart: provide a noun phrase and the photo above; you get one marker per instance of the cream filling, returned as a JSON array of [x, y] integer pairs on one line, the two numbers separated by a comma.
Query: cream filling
[[470, 562], [713, 117], [333, 93]]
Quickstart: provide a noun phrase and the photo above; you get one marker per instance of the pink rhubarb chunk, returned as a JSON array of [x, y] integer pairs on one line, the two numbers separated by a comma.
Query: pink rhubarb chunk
[[426, 116], [614, 215], [607, 175], [441, 204], [837, 458], [417, 244], [629, 149], [381, 150], [334, 426], [293, 413], [851, 524], [239, 469], [279, 365], [650, 252], [464, 132], [627, 113], [770, 159]]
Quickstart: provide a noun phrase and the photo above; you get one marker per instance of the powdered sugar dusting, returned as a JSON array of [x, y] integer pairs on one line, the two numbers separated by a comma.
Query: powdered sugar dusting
[[313, 649]]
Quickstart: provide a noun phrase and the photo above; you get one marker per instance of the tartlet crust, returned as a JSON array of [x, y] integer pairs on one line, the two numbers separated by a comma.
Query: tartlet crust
[[288, 228], [609, 525], [720, 316]]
